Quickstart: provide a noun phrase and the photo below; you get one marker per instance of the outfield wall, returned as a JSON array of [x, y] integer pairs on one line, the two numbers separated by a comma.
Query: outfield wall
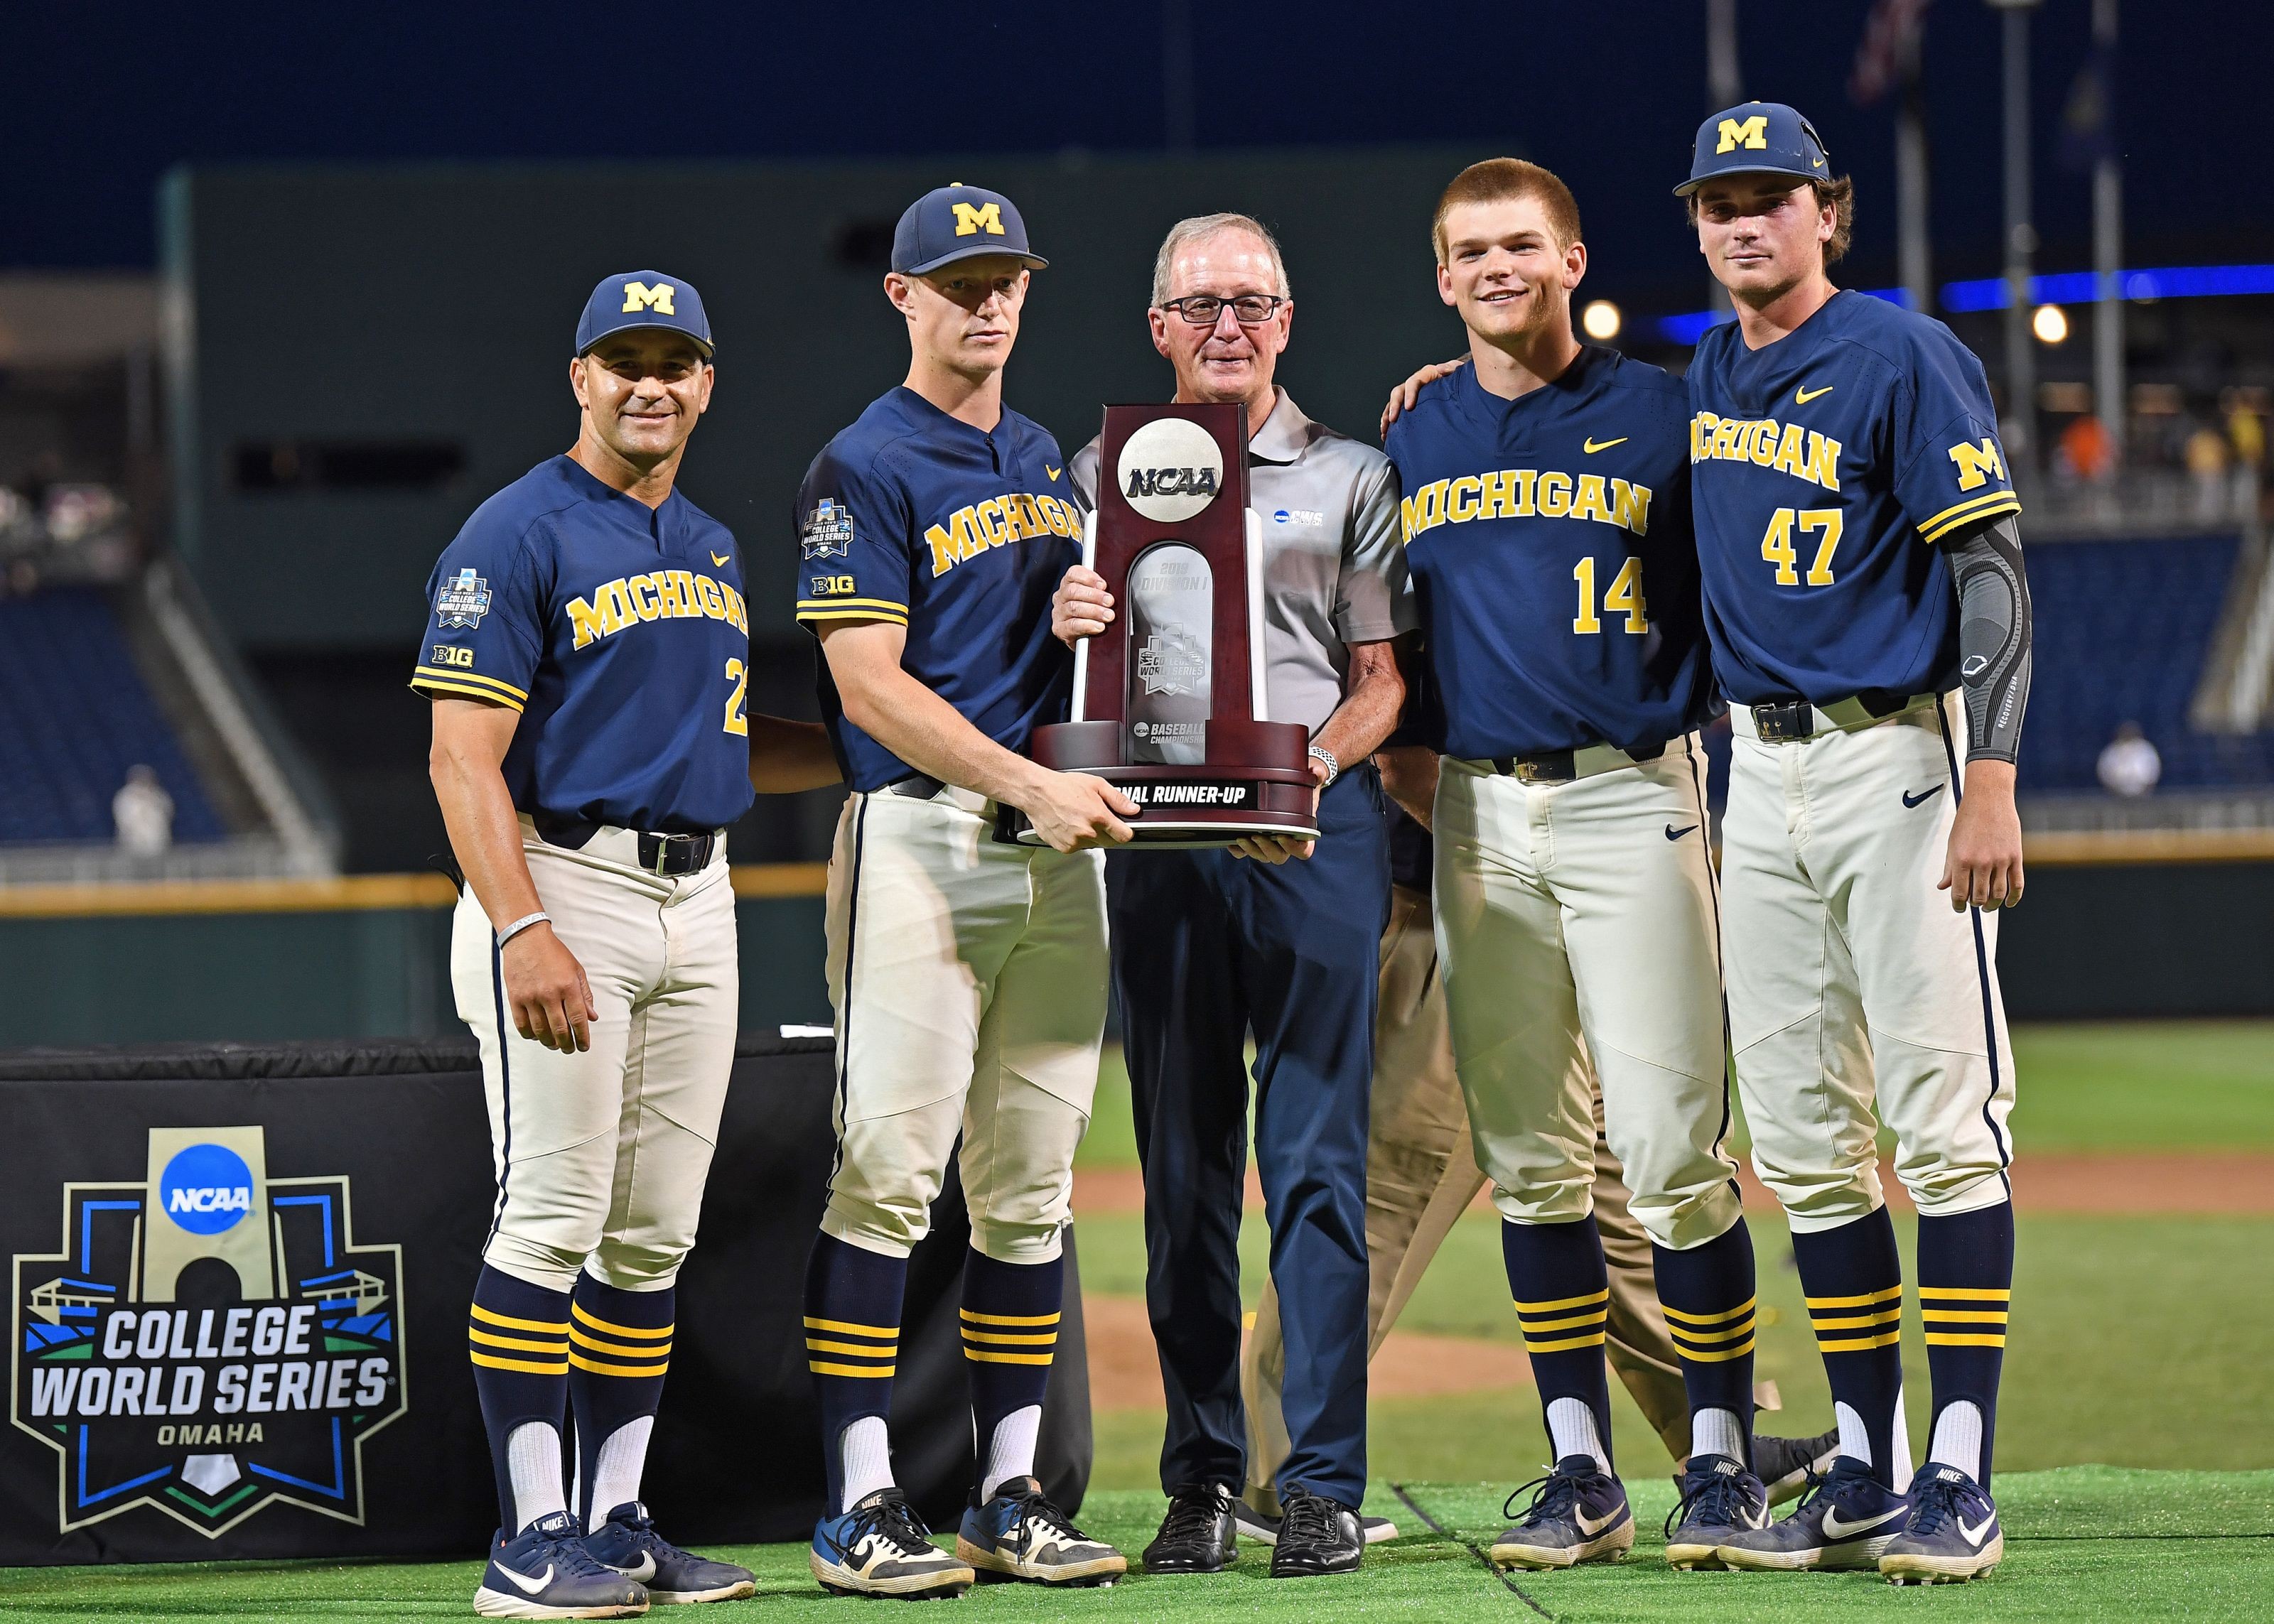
[[2153, 936]]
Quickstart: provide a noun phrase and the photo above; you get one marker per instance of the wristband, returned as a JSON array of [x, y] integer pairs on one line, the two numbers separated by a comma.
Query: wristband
[[1333, 767], [522, 924]]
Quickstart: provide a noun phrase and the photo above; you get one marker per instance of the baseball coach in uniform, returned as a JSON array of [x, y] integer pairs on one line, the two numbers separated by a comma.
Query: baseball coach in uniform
[[587, 651], [969, 976], [1272, 937]]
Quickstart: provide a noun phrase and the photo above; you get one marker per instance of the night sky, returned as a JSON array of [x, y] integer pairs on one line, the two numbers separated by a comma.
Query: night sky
[[103, 98]]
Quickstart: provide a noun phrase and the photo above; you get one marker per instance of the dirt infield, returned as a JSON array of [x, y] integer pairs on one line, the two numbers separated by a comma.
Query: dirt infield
[[2198, 1183]]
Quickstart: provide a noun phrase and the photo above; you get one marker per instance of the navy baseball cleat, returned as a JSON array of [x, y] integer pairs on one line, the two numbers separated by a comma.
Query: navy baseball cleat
[[1580, 1514], [1845, 1520], [545, 1572], [882, 1548], [1719, 1500], [628, 1543], [1020, 1535], [1952, 1535]]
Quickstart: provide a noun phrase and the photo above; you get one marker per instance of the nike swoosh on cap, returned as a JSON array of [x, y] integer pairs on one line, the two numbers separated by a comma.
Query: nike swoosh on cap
[[1590, 448], [1834, 1528], [1803, 397]]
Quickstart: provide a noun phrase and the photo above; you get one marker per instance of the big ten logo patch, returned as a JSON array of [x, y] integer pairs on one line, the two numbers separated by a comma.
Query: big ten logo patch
[[210, 1341], [831, 586], [450, 654]]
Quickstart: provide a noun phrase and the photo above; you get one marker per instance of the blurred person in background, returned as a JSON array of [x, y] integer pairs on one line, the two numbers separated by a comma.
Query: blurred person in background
[[2206, 458], [144, 814], [2129, 764], [2087, 448]]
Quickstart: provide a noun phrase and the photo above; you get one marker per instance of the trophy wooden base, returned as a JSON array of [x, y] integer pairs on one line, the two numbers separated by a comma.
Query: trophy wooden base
[[1254, 779]]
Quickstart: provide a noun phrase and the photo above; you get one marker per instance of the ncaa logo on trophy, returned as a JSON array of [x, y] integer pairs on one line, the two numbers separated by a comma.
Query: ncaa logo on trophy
[[1169, 702]]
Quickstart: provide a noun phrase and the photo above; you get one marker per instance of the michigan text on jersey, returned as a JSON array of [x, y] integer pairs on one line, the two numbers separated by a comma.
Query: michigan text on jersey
[[667, 594], [995, 522], [1788, 448], [1522, 493]]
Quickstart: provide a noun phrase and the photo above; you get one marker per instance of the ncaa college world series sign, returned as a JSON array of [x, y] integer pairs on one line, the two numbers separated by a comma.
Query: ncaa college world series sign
[[209, 1343]]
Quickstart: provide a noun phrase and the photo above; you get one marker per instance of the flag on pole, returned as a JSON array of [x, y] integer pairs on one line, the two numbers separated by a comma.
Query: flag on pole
[[1890, 34], [2088, 121]]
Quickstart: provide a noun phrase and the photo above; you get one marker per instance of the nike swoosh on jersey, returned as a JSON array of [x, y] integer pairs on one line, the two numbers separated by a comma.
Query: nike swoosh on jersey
[[1973, 1535], [1672, 833], [1590, 448], [1920, 799], [1592, 1526], [719, 559], [1052, 472], [532, 1586], [1834, 1528], [1803, 397]]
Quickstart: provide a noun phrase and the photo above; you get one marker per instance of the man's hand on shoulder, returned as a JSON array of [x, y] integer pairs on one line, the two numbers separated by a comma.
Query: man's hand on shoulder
[[1081, 607], [1401, 398], [1074, 811]]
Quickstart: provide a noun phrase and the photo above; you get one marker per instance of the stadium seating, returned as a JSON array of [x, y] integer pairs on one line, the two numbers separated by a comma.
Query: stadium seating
[[75, 714], [2123, 629]]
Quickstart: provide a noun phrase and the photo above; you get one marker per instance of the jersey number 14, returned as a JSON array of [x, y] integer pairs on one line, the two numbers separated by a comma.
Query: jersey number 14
[[1624, 597]]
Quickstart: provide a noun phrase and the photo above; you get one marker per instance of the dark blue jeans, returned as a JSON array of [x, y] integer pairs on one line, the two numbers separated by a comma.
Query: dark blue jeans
[[1207, 947]]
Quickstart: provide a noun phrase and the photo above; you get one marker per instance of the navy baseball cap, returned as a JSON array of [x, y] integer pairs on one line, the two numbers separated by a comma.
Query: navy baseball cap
[[1757, 138], [643, 299], [956, 222]]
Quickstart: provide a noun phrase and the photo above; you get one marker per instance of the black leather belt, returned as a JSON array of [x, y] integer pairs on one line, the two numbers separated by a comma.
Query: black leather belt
[[915, 786], [1795, 718], [1559, 766], [669, 854]]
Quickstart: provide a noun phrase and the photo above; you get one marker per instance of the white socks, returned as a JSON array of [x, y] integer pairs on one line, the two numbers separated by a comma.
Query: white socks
[[1958, 1438], [866, 1451], [532, 1458], [1571, 1430], [1854, 1439], [616, 1472], [1717, 1432], [1011, 1452]]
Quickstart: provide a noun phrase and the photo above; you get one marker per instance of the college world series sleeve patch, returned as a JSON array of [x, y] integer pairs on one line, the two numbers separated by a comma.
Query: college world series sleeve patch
[[852, 560], [484, 626]]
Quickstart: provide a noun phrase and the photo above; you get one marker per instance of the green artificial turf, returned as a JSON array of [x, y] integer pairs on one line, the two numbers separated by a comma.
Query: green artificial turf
[[2083, 1543]]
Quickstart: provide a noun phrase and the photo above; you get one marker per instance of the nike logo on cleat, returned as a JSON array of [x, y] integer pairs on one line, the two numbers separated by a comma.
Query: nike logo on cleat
[[1803, 397], [1672, 833], [1973, 1535], [719, 559], [1920, 799], [530, 1587], [645, 1571], [1834, 1528], [1591, 446], [1592, 1526]]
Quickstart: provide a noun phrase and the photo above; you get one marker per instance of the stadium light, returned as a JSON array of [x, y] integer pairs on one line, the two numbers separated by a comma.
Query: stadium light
[[1601, 320], [2050, 324]]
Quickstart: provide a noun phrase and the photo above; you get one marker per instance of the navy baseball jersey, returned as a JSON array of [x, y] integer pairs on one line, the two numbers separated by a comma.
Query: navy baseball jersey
[[960, 535], [621, 634], [1826, 466], [1549, 544]]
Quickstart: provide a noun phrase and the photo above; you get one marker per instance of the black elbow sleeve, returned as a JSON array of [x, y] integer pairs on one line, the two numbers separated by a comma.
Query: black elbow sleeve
[[1994, 635]]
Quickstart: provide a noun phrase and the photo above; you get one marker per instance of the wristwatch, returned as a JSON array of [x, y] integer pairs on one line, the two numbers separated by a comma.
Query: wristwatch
[[1333, 767]]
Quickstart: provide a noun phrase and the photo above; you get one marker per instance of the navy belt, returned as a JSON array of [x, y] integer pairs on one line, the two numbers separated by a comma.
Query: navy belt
[[1792, 719]]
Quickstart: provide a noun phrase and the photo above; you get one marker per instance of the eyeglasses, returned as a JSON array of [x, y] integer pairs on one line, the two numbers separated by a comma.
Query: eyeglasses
[[1250, 310]]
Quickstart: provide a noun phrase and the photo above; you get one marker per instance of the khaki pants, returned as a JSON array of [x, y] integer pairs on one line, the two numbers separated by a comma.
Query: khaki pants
[[969, 983], [1421, 1175], [601, 1156]]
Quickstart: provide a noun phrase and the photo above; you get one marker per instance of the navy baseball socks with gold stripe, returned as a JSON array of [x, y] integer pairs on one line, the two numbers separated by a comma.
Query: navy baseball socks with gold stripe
[[518, 1336], [1966, 1286], [1562, 1292], [1708, 1296], [1010, 1335], [1853, 1281], [852, 1346], [618, 1349]]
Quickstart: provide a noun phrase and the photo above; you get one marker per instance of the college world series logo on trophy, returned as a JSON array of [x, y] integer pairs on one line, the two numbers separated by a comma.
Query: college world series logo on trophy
[[1169, 702]]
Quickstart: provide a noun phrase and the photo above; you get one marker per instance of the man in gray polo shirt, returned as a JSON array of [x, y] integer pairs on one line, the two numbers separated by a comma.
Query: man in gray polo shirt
[[1279, 937]]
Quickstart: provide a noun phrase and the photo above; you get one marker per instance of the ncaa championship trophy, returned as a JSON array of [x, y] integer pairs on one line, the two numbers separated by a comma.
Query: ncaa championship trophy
[[1169, 701]]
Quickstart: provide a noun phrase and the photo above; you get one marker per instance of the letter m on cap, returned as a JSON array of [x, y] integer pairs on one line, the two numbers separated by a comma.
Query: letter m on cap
[[970, 222], [1976, 463], [1754, 132], [639, 295]]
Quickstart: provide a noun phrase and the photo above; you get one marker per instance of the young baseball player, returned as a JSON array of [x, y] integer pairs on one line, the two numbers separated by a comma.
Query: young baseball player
[[1275, 938], [969, 976], [586, 653], [1547, 528], [1871, 627]]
